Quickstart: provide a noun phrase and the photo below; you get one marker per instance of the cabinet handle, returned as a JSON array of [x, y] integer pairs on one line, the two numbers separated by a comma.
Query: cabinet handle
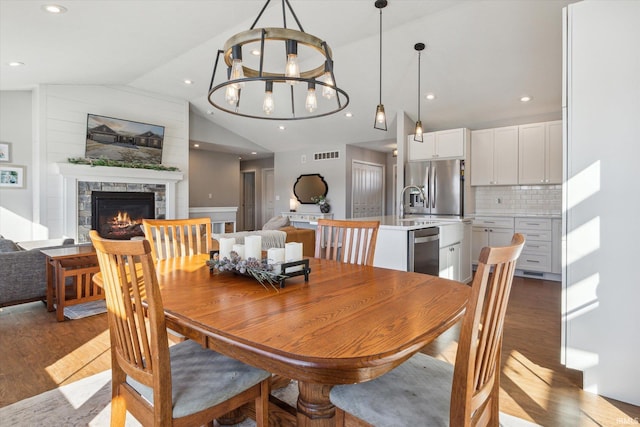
[[533, 235], [533, 223], [490, 222], [533, 260]]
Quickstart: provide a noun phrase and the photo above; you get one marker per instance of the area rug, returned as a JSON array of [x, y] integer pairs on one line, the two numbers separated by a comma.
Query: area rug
[[86, 309], [87, 403]]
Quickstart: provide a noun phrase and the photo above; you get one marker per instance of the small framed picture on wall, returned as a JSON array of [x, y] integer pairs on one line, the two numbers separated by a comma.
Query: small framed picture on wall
[[12, 177], [5, 152]]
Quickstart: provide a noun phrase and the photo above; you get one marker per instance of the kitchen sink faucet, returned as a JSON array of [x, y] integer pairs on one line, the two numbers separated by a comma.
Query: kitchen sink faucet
[[402, 197]]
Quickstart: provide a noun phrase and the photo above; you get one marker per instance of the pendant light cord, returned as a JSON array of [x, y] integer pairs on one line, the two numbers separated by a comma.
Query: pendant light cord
[[419, 53], [380, 101]]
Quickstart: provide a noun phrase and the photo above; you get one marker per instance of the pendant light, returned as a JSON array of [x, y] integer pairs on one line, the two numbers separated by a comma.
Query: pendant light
[[380, 121], [247, 89], [417, 135]]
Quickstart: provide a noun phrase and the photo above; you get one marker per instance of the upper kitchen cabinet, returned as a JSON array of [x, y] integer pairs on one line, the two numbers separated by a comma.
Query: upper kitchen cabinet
[[494, 156], [540, 153], [444, 144]]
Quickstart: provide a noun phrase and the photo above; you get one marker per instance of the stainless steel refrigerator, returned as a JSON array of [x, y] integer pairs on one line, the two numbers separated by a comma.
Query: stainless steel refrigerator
[[442, 183]]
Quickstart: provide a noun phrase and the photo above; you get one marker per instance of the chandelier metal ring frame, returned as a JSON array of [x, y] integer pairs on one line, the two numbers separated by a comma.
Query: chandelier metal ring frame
[[310, 76]]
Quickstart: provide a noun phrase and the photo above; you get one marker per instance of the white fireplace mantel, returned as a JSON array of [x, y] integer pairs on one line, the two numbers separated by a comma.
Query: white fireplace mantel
[[73, 173]]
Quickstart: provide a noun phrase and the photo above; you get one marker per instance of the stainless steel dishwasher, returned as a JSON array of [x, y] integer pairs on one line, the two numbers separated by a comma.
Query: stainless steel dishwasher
[[424, 251]]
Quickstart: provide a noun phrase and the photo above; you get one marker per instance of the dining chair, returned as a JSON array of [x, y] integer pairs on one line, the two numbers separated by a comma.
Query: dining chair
[[172, 238], [352, 242], [431, 392], [162, 385]]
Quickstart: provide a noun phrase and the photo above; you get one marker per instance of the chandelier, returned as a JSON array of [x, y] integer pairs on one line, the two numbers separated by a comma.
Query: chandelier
[[272, 73]]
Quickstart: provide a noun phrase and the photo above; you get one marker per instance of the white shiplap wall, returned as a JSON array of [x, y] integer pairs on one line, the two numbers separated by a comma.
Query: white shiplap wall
[[60, 121]]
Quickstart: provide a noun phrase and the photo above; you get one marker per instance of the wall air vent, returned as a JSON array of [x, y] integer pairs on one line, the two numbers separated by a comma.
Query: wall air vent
[[328, 155]]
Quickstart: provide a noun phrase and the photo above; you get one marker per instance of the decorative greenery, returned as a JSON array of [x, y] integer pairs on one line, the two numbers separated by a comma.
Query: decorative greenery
[[120, 164], [319, 200], [258, 269]]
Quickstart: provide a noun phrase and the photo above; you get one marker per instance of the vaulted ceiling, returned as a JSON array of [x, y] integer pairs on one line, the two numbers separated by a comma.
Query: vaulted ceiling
[[481, 57]]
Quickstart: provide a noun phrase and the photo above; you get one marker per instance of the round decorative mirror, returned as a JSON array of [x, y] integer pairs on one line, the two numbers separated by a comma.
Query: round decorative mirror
[[308, 186]]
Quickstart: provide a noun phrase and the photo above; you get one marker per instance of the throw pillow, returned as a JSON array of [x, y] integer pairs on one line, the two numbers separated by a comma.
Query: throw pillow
[[276, 223], [7, 245]]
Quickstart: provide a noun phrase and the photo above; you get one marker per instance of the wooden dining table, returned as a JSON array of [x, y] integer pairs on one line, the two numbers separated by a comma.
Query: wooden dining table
[[347, 324]]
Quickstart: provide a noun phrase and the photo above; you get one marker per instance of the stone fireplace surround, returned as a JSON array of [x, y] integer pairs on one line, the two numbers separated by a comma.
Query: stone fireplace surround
[[80, 179]]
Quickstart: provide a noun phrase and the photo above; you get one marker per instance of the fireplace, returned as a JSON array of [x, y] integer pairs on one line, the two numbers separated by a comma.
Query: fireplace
[[119, 215]]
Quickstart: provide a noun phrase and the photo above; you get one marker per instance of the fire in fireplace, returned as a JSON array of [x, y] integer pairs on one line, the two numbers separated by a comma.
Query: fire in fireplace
[[119, 214]]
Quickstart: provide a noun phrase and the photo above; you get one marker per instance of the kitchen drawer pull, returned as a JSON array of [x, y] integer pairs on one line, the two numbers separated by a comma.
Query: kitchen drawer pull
[[426, 239], [533, 260]]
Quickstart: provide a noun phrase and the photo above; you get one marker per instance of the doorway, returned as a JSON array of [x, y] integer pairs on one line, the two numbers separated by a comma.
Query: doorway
[[367, 189], [248, 201], [268, 195]]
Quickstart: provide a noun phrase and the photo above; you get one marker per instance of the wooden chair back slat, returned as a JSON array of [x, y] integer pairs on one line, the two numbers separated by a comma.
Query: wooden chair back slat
[[172, 238], [352, 242], [476, 379]]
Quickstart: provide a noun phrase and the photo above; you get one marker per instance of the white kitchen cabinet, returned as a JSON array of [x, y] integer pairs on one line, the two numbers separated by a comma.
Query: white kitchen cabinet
[[455, 251], [556, 246], [445, 144], [536, 254], [494, 156], [450, 258], [540, 153], [490, 231]]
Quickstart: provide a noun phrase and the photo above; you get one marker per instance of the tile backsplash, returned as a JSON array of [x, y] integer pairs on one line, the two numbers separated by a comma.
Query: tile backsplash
[[519, 199]]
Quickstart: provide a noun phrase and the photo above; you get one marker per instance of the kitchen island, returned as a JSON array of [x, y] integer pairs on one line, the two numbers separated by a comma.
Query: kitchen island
[[393, 246]]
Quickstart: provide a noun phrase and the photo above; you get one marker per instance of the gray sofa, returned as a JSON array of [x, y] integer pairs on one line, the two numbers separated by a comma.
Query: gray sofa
[[23, 275]]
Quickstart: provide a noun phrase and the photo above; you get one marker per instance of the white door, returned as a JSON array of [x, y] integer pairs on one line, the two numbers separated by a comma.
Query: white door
[[248, 201], [367, 189], [268, 195]]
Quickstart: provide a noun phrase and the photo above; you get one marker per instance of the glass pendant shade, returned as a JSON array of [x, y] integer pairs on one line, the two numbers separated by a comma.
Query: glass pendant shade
[[417, 135], [381, 118]]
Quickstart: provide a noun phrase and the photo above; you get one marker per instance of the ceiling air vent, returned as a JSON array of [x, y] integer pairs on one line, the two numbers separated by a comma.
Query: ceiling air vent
[[328, 155]]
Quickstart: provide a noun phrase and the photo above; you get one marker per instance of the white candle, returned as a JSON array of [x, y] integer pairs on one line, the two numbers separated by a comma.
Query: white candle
[[239, 249], [292, 205], [275, 256], [253, 247], [226, 246], [293, 252]]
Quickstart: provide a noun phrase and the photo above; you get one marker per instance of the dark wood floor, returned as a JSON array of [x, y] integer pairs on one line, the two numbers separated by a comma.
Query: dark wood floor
[[39, 354]]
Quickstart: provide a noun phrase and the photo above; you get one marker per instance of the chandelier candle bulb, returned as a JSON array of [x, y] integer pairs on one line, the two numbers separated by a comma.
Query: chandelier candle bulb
[[226, 246], [239, 249], [293, 252], [253, 247]]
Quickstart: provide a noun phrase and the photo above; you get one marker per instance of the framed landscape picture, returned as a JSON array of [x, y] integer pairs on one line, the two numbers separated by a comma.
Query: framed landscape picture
[[5, 152], [123, 140], [12, 177]]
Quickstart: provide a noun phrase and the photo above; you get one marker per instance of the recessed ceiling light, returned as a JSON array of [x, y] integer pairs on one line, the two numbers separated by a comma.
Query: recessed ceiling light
[[526, 99], [254, 153], [196, 145], [255, 52], [210, 112], [281, 127], [430, 96], [188, 82], [54, 8], [348, 114], [15, 64]]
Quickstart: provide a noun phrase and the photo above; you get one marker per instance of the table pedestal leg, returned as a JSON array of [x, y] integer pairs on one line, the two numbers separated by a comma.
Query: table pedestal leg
[[314, 407]]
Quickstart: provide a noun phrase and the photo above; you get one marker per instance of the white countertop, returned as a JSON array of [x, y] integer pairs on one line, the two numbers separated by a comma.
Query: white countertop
[[410, 222], [514, 215]]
